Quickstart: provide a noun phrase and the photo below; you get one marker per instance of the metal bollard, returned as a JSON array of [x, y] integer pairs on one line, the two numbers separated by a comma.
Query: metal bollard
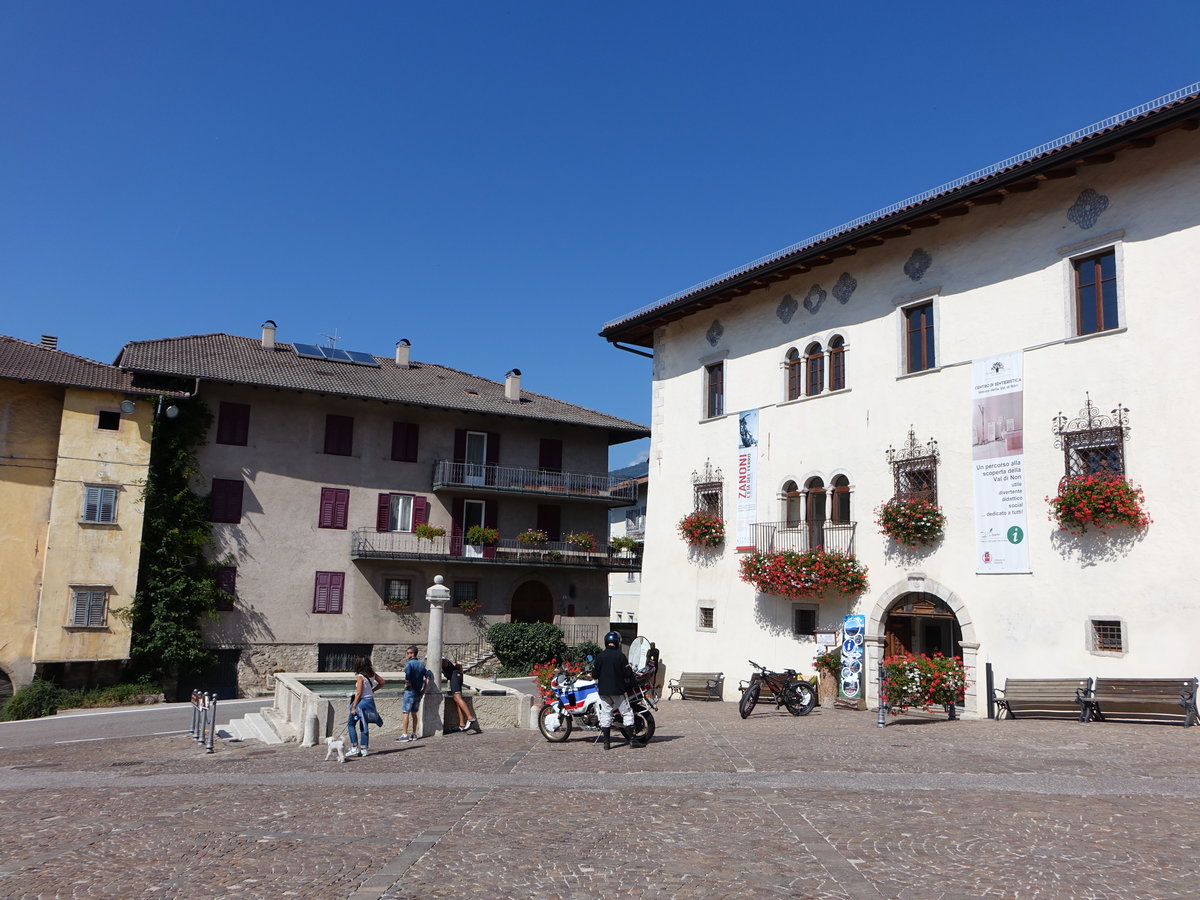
[[212, 723], [882, 720]]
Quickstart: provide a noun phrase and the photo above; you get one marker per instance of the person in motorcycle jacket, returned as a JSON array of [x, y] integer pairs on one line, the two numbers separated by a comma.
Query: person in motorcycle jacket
[[611, 670]]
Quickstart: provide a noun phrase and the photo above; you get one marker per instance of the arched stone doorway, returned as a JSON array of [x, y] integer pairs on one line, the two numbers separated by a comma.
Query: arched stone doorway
[[532, 602], [931, 618]]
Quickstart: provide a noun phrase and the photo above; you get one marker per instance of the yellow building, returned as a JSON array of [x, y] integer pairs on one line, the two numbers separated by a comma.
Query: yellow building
[[74, 452]]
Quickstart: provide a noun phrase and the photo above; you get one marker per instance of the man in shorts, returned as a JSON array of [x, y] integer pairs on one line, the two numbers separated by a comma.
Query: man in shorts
[[415, 676]]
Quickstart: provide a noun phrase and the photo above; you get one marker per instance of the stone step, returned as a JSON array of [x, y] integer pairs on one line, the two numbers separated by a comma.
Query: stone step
[[252, 727]]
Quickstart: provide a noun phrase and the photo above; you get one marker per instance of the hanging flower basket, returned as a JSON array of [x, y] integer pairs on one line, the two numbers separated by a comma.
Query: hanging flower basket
[[922, 682], [1100, 502], [702, 529], [911, 522], [812, 574]]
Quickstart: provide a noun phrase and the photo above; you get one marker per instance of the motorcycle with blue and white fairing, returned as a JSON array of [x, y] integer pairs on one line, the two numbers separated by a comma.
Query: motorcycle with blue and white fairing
[[576, 704]]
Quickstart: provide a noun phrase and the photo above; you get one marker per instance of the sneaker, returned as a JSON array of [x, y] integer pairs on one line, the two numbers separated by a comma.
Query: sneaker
[[473, 727], [402, 738], [353, 751], [363, 752]]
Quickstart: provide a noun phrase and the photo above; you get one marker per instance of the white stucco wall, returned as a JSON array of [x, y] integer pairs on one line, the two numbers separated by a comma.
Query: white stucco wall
[[1000, 280]]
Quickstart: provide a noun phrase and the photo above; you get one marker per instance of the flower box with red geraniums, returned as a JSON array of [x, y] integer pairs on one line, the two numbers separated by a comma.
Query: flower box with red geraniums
[[532, 537], [812, 574], [470, 606], [1098, 501], [911, 522], [922, 682], [702, 529]]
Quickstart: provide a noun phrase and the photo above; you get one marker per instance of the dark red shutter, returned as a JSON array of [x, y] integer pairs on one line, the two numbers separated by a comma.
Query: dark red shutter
[[339, 435], [233, 423], [460, 445], [456, 526], [549, 520], [325, 514], [550, 455], [383, 512], [341, 508], [404, 441], [493, 448], [420, 511], [226, 500], [491, 518], [327, 592]]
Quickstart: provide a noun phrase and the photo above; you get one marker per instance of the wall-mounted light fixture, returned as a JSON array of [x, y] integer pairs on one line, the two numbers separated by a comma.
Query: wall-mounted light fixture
[[128, 406]]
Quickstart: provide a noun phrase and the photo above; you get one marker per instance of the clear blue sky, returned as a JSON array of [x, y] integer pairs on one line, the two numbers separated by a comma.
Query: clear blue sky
[[494, 181]]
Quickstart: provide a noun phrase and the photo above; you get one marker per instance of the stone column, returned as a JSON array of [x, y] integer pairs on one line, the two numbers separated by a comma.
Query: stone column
[[432, 704]]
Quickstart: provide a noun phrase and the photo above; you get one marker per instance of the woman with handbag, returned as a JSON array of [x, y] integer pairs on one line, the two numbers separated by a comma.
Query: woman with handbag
[[362, 706]]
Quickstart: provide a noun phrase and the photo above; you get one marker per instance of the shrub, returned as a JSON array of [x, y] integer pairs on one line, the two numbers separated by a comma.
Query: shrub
[[521, 645], [32, 701], [623, 542]]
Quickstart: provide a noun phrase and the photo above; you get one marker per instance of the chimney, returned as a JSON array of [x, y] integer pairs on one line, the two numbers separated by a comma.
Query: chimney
[[402, 347], [50, 341], [512, 386], [268, 338]]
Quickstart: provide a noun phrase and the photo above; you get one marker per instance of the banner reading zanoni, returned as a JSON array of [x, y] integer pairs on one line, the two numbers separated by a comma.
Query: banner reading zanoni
[[747, 469], [998, 455]]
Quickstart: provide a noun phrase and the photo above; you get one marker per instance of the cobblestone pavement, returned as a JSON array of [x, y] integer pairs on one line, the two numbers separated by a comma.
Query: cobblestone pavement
[[826, 806]]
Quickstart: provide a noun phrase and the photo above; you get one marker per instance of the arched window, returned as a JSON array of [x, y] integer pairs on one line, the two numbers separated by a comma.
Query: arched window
[[794, 368], [793, 505], [815, 511], [840, 512], [815, 364], [837, 363]]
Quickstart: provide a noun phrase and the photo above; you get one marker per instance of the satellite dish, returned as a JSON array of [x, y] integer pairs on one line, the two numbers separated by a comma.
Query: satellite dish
[[128, 406]]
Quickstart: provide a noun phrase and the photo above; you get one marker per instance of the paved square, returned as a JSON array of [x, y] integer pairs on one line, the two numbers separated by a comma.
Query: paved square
[[826, 806]]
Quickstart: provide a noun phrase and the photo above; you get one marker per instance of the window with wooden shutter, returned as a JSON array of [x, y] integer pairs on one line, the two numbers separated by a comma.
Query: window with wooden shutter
[[89, 607], [99, 504], [714, 390], [227, 500], [549, 520], [335, 505], [327, 595], [233, 423], [339, 435], [398, 512], [918, 330], [404, 441]]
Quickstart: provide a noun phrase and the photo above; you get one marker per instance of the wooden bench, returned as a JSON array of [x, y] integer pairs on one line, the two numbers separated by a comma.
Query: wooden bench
[[1148, 699], [1043, 697], [696, 686]]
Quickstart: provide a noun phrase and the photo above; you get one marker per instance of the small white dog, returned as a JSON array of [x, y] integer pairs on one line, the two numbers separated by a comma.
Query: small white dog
[[337, 744]]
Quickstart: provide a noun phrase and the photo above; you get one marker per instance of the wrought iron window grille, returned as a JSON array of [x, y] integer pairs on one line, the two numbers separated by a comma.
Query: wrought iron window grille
[[708, 487], [1092, 443], [914, 469]]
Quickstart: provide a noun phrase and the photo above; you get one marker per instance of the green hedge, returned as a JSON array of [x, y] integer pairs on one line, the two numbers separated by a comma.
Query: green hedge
[[44, 698]]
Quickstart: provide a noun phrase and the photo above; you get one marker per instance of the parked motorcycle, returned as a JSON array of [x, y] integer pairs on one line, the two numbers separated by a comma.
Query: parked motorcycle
[[576, 704]]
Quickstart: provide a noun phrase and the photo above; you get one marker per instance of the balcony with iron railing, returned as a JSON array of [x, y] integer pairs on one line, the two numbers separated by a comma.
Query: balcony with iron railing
[[776, 537], [492, 479], [367, 543]]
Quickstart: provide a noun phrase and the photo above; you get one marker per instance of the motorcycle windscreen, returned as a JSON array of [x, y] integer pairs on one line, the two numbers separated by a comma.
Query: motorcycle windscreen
[[637, 652]]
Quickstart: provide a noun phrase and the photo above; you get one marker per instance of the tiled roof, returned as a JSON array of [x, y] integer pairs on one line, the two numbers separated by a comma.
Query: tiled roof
[[23, 361], [1143, 116], [241, 360]]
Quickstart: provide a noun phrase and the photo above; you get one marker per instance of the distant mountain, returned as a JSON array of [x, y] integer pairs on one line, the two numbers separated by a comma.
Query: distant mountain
[[637, 470]]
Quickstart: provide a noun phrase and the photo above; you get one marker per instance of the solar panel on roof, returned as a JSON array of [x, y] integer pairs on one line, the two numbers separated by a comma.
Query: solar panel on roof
[[335, 354], [362, 359], [310, 351]]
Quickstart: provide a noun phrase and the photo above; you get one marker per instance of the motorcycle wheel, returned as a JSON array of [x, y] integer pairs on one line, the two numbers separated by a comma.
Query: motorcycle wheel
[[800, 698], [558, 735], [748, 701], [643, 726]]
